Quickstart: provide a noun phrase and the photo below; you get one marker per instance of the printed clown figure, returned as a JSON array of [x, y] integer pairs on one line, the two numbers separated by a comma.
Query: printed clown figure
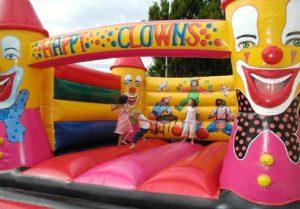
[[12, 100], [193, 93], [23, 140], [132, 72], [264, 145], [132, 89], [162, 114], [223, 116]]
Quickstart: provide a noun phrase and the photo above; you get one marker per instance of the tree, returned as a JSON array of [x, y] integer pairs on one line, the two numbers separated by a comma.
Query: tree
[[183, 67]]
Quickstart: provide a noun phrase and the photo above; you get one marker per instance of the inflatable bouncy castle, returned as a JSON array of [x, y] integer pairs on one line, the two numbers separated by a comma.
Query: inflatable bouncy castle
[[57, 146]]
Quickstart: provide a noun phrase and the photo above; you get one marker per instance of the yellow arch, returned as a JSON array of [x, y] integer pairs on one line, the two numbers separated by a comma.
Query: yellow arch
[[184, 38]]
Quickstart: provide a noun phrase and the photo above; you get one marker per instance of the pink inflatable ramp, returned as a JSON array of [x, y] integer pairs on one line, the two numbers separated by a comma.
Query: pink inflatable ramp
[[129, 171], [197, 175], [67, 167]]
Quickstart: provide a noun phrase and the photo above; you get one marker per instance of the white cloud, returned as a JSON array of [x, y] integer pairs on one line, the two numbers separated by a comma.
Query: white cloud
[[65, 16]]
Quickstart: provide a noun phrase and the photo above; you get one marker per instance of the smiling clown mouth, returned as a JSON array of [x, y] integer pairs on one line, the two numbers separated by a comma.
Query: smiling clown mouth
[[6, 84], [132, 100], [270, 88]]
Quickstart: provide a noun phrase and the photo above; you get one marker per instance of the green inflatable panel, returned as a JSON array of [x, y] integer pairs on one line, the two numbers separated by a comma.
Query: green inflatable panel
[[66, 90]]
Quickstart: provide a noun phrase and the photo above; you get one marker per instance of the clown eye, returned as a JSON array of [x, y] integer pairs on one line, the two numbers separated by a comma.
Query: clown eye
[[294, 42], [127, 82], [246, 44], [11, 56], [138, 83]]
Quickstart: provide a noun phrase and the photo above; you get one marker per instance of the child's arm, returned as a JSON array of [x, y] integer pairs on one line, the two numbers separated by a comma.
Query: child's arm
[[143, 118], [213, 113], [114, 107]]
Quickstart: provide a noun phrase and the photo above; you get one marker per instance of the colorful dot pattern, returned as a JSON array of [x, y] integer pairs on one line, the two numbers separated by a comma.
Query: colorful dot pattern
[[251, 124]]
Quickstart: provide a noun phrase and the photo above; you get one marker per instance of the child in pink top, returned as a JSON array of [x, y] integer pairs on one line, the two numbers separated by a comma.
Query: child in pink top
[[189, 130], [124, 127]]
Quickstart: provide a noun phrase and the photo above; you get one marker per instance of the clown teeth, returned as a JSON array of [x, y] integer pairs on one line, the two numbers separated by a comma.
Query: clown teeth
[[271, 81], [4, 81]]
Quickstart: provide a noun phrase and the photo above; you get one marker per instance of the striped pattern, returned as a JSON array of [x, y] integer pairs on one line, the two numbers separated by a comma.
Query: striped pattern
[[81, 107], [71, 91]]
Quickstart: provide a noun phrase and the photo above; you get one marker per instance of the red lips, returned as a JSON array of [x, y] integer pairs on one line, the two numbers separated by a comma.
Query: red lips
[[6, 88], [270, 88]]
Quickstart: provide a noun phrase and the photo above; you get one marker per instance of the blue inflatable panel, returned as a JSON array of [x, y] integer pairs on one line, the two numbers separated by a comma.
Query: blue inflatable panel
[[76, 135]]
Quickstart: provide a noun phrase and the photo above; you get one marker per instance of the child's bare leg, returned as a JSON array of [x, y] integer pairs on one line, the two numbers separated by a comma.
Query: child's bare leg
[[120, 139], [133, 145], [192, 141], [125, 136]]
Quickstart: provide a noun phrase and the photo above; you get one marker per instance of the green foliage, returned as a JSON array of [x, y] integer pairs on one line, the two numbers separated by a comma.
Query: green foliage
[[187, 67]]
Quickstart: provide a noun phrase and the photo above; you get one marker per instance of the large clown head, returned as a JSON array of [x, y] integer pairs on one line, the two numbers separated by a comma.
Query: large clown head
[[15, 74], [132, 72], [132, 88], [266, 52], [11, 77]]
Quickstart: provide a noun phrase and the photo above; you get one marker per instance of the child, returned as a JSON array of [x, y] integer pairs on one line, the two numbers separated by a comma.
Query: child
[[144, 126], [189, 130], [124, 127]]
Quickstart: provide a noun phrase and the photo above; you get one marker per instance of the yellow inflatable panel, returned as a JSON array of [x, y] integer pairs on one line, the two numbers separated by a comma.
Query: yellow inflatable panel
[[218, 83], [165, 132], [191, 38], [204, 112], [47, 104], [207, 99], [82, 111]]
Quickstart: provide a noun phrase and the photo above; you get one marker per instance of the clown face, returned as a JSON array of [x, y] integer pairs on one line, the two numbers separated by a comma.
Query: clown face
[[11, 78], [266, 47], [132, 88]]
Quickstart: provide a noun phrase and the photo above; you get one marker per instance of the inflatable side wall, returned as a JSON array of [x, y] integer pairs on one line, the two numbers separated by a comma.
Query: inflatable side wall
[[166, 100], [81, 107]]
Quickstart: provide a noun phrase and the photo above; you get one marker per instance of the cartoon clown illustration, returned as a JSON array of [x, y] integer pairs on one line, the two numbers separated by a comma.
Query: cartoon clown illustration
[[193, 93], [162, 114], [223, 116], [22, 129], [264, 145], [133, 90], [12, 101], [132, 72], [225, 90]]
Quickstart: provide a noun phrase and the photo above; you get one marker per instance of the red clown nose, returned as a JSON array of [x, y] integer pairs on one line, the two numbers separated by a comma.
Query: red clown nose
[[272, 55]]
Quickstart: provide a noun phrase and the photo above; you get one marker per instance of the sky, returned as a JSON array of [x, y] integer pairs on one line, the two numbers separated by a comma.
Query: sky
[[65, 16]]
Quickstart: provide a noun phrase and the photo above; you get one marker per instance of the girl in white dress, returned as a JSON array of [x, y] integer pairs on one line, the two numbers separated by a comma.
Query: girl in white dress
[[189, 130]]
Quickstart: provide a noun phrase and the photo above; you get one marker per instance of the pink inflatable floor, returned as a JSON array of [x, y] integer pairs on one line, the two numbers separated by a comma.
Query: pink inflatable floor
[[154, 166]]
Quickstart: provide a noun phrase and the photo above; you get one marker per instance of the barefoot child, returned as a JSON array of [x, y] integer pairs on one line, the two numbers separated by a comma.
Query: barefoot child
[[189, 130], [124, 127], [144, 126]]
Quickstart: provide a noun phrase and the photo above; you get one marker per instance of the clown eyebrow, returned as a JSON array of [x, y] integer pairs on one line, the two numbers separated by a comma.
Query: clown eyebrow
[[10, 49], [246, 36], [293, 33]]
